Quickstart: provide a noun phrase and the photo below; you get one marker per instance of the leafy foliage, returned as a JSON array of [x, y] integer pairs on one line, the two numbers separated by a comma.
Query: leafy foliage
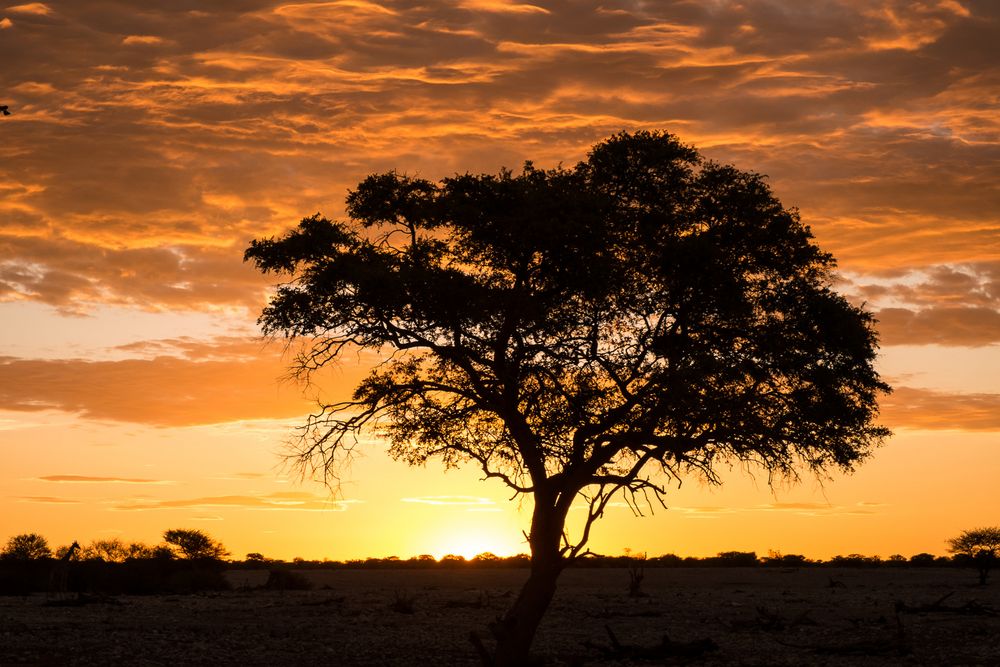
[[26, 546], [575, 329], [583, 332], [194, 544], [981, 546]]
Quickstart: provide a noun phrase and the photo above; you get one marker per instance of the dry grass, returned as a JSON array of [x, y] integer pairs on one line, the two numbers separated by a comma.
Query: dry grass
[[756, 616]]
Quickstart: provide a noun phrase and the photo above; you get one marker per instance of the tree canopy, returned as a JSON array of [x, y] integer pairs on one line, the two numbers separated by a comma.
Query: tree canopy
[[26, 546], [580, 332], [194, 544], [981, 546]]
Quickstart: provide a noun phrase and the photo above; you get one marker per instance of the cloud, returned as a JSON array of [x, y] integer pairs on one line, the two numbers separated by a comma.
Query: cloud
[[911, 407], [476, 502], [284, 501], [188, 383], [37, 8], [503, 6], [100, 480], [137, 175], [964, 285], [945, 304], [5, 23], [142, 40], [47, 500], [939, 326], [802, 508]]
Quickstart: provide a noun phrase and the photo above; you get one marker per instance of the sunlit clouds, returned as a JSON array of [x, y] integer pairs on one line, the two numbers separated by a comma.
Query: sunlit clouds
[[148, 143], [99, 480], [165, 139], [288, 501]]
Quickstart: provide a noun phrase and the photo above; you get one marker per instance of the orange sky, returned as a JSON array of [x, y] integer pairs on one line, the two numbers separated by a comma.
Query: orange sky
[[149, 142]]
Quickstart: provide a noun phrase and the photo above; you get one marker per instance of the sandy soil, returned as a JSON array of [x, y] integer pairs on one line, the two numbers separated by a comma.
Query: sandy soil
[[755, 616]]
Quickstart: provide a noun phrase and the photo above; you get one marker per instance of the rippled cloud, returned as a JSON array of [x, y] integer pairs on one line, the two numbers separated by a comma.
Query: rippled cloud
[[146, 148], [290, 501]]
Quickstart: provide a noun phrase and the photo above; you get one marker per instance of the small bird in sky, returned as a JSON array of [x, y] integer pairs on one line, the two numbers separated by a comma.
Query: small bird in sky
[[3, 110]]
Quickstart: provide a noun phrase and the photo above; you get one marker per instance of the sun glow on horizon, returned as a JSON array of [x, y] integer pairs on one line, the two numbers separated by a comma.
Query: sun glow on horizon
[[470, 543]]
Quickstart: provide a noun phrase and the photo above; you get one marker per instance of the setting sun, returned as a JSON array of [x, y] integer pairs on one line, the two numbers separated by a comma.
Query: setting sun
[[470, 542]]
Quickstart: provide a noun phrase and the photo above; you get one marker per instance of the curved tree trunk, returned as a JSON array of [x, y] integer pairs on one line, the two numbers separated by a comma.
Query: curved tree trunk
[[516, 630]]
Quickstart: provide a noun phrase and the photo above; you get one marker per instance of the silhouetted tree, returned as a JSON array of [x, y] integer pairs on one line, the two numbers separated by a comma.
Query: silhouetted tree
[[922, 559], [578, 333], [111, 550], [26, 546], [139, 551], [981, 546], [194, 544]]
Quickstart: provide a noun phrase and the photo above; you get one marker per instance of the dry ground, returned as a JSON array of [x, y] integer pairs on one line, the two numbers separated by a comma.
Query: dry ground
[[755, 616]]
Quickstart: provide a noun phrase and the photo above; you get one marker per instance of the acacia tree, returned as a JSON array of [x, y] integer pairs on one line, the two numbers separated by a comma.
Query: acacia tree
[[981, 546], [193, 544], [26, 546], [578, 333]]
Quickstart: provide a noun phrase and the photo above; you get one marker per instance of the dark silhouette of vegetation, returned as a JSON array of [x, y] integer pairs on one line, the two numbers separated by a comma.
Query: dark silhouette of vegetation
[[636, 573], [979, 547], [109, 567], [146, 570], [194, 544], [578, 334], [777, 559], [287, 580], [26, 546]]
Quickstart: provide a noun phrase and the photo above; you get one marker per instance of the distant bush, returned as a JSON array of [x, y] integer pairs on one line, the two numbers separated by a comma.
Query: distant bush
[[778, 559], [855, 560], [287, 580], [922, 559], [734, 559], [666, 560], [26, 546], [110, 551]]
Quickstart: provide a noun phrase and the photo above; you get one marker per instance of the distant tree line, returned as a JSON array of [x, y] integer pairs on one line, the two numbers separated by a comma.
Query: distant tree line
[[178, 543], [189, 560], [723, 559]]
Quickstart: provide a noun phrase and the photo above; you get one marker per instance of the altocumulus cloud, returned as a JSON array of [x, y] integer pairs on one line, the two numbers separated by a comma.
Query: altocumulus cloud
[[87, 479], [175, 382], [917, 408], [460, 501], [283, 501], [144, 155]]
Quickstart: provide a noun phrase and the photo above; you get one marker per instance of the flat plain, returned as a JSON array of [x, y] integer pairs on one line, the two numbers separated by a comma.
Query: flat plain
[[403, 617]]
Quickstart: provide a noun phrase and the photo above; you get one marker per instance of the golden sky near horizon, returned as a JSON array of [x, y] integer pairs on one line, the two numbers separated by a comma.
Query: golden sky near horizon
[[149, 142]]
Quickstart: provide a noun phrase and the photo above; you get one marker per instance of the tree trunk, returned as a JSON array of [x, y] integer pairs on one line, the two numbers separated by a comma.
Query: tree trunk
[[516, 630]]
